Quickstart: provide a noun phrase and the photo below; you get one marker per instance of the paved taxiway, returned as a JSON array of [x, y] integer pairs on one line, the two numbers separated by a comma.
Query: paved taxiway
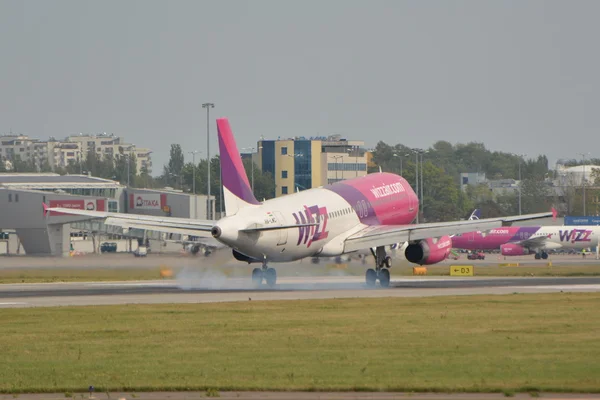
[[230, 290]]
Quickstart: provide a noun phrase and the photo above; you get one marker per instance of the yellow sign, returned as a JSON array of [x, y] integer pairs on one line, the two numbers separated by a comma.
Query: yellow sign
[[461, 270], [419, 270]]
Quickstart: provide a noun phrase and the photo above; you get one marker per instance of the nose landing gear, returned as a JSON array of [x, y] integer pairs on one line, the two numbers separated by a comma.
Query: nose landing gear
[[266, 273]]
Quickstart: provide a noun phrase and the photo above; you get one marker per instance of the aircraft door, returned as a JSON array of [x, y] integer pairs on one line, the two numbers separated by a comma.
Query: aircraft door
[[283, 233]]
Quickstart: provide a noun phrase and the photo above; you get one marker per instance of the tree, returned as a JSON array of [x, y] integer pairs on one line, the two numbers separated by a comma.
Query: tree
[[144, 179], [124, 164], [567, 193], [174, 169], [441, 196], [45, 166], [595, 177], [264, 183], [22, 166], [535, 196]]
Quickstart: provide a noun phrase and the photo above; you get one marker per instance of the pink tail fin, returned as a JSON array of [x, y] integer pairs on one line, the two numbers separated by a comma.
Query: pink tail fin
[[236, 188]]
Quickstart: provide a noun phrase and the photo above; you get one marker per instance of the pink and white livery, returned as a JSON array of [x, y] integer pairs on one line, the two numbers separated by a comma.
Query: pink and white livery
[[537, 240], [369, 212]]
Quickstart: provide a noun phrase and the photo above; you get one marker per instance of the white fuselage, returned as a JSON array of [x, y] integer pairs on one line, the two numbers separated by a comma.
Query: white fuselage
[[335, 217], [569, 237]]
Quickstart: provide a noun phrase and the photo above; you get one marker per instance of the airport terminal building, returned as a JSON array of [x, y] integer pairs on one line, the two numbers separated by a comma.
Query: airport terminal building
[[22, 195]]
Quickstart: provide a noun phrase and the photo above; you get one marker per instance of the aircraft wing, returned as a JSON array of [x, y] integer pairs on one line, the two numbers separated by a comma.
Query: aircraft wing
[[383, 235], [184, 226]]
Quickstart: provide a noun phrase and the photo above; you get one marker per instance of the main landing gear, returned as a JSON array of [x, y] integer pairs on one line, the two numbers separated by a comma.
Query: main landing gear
[[543, 255], [266, 273], [382, 264]]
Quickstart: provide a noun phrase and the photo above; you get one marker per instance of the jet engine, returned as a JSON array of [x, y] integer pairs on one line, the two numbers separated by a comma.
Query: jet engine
[[194, 249], [428, 251], [510, 249]]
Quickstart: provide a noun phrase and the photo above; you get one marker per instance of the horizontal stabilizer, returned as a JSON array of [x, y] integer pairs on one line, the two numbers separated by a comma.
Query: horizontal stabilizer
[[147, 226]]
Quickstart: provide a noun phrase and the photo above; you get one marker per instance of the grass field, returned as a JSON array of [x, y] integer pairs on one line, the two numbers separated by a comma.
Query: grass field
[[34, 275], [41, 275], [543, 342]]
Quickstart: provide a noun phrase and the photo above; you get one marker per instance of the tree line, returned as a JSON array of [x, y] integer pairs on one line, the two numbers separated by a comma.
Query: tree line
[[443, 199]]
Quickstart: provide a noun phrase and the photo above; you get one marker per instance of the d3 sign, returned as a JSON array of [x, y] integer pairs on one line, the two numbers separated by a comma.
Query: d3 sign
[[461, 270]]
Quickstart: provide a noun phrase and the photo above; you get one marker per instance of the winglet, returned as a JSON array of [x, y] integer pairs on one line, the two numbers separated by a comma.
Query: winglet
[[554, 213], [45, 209]]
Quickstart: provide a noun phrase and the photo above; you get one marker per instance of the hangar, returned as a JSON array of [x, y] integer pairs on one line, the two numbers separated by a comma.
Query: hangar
[[22, 195]]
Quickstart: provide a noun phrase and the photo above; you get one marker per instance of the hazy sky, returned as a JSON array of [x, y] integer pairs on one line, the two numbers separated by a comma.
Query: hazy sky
[[520, 76]]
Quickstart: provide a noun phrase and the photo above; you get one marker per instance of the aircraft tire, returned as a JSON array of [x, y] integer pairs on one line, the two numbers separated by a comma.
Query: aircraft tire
[[257, 276], [544, 255], [384, 277], [388, 262], [271, 277], [537, 256], [371, 277]]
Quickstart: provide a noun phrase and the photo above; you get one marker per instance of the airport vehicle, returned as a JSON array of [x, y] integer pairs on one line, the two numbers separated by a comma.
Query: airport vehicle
[[523, 240], [141, 251], [476, 256], [108, 247], [371, 212]]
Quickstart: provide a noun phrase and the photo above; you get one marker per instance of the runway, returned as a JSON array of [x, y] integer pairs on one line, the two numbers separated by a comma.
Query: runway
[[220, 289]]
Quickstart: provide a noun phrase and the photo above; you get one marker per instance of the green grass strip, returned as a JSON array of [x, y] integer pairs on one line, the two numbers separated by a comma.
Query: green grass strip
[[512, 343]]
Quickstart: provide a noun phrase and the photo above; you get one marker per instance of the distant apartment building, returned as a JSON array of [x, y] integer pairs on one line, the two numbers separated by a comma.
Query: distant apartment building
[[109, 145], [75, 148], [301, 163]]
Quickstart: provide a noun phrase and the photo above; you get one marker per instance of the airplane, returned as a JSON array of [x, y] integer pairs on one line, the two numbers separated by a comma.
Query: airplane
[[523, 240], [205, 247], [373, 211]]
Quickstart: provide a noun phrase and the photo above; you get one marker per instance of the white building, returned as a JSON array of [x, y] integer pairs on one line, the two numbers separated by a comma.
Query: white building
[[74, 148], [574, 176], [109, 145]]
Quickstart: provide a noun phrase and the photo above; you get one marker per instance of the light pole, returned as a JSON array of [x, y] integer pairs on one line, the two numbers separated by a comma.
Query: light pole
[[180, 180], [208, 106], [356, 150], [128, 155], [336, 167], [421, 185], [193, 153], [520, 186], [583, 181], [417, 182]]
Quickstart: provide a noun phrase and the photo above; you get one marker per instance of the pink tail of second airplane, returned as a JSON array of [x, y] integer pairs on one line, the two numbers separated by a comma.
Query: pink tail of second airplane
[[237, 192]]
